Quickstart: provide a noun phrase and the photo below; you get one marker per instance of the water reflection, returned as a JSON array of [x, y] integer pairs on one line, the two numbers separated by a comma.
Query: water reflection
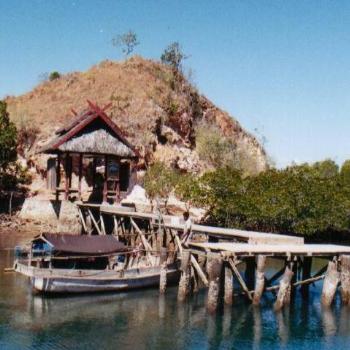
[[145, 320]]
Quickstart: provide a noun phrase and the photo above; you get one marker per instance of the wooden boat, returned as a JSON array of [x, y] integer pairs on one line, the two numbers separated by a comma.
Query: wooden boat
[[61, 263]]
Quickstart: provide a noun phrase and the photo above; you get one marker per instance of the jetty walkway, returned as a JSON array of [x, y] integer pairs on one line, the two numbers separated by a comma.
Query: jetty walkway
[[216, 257]]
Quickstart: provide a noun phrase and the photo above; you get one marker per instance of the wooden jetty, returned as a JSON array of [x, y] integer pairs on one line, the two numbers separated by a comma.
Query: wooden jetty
[[215, 257]]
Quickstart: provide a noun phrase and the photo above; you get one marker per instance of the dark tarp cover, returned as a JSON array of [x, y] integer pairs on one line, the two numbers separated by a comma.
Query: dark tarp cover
[[83, 244]]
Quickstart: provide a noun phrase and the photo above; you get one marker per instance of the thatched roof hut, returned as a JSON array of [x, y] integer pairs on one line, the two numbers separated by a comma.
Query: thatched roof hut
[[91, 134]]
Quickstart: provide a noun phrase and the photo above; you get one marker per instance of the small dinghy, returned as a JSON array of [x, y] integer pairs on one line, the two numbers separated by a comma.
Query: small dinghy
[[64, 263]]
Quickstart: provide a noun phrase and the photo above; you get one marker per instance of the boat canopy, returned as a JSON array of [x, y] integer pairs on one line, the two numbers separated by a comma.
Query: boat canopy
[[80, 244]]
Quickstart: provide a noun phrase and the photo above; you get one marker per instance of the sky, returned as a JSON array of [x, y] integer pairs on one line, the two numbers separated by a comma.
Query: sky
[[281, 68]]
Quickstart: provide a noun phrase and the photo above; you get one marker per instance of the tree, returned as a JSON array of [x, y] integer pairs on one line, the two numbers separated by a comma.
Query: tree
[[159, 182], [8, 138], [345, 172], [173, 56], [127, 41], [215, 149], [11, 172], [54, 76]]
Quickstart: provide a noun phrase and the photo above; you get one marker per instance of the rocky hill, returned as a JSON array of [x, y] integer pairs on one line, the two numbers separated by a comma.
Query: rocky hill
[[158, 111]]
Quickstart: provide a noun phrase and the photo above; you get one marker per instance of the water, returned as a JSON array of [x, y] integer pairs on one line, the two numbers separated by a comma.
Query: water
[[143, 320]]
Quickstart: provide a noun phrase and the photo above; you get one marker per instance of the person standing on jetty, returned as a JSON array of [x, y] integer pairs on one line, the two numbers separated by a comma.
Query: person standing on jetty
[[187, 232]]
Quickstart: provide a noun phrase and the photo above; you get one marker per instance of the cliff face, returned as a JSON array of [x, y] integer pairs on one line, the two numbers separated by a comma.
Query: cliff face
[[157, 111]]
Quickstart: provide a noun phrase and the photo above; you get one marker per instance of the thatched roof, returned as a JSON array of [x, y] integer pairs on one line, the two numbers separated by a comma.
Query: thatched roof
[[91, 132]]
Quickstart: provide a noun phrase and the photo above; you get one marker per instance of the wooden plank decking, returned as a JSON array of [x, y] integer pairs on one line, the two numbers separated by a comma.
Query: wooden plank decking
[[176, 223], [283, 250]]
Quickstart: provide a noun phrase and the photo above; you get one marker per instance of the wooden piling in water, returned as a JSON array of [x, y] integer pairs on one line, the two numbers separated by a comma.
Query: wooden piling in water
[[330, 284], [259, 279], [214, 267], [249, 273], [185, 279], [228, 286], [163, 270], [283, 296], [345, 279], [306, 274]]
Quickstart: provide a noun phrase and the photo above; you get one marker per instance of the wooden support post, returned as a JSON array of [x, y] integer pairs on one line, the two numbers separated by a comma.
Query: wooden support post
[[307, 264], [80, 175], [259, 279], [249, 273], [103, 227], [143, 238], [185, 279], [105, 182], [345, 279], [228, 294], [283, 296], [214, 267], [94, 222], [82, 220], [58, 175], [330, 284], [240, 279], [163, 270], [67, 177], [199, 271], [116, 227]]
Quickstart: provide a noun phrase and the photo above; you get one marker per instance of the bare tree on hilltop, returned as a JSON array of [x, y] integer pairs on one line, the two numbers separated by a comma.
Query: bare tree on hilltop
[[173, 56], [127, 41]]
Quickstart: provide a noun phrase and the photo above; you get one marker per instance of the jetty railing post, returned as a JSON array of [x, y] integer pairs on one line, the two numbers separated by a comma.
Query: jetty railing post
[[330, 284], [283, 296], [185, 279], [214, 268], [228, 286], [259, 279], [345, 279], [163, 270]]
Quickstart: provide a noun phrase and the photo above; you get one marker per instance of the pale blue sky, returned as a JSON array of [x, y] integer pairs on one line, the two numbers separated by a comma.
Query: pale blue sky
[[281, 67]]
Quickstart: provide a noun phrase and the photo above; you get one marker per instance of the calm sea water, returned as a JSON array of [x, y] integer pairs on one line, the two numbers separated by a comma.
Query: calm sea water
[[143, 320]]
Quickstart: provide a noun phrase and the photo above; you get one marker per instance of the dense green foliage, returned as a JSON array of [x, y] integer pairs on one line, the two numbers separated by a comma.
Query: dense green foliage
[[54, 76], [8, 138], [302, 199], [11, 173], [160, 181]]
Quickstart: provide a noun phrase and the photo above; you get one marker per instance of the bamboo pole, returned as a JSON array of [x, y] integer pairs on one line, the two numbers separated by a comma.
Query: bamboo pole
[[345, 279], [330, 284], [259, 279]]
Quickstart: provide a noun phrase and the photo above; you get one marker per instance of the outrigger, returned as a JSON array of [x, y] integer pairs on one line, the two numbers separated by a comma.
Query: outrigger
[[65, 263]]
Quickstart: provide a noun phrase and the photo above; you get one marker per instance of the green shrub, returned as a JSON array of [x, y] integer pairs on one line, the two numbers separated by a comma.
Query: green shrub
[[160, 181], [54, 76], [215, 149]]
